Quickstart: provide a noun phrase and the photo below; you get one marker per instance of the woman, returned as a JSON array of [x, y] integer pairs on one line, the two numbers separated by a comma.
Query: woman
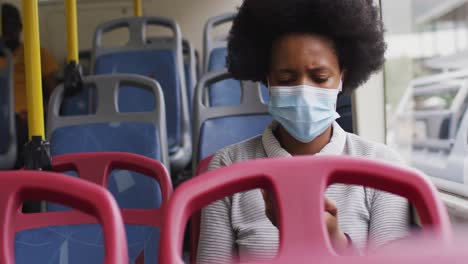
[[307, 52]]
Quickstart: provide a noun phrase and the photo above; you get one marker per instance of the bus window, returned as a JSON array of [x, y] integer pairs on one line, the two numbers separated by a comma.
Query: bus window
[[426, 82]]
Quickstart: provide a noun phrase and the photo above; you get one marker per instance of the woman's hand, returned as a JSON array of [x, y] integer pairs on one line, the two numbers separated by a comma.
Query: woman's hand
[[337, 237]]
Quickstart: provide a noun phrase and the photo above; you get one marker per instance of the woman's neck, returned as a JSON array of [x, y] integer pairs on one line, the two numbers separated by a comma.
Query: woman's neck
[[296, 148]]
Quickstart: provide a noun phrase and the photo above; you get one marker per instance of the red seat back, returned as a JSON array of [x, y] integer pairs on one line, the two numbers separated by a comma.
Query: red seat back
[[96, 167], [94, 202], [300, 182]]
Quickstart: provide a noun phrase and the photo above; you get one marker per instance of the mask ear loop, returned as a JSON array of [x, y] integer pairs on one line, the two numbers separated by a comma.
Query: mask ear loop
[[340, 92], [340, 88]]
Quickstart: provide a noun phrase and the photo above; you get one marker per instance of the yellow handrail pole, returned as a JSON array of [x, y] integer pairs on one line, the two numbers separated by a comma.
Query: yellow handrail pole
[[138, 8], [72, 31], [32, 59]]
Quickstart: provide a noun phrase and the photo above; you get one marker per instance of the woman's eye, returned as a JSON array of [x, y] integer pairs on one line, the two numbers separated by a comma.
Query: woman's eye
[[321, 80], [283, 82]]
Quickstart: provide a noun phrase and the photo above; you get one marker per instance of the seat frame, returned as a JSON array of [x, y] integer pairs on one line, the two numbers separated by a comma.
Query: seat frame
[[210, 43]]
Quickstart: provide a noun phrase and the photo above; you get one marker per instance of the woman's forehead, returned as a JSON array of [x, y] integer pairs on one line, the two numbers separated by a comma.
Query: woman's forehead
[[303, 50]]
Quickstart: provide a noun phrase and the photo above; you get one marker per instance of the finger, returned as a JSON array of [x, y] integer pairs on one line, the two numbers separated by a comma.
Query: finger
[[331, 222], [330, 207]]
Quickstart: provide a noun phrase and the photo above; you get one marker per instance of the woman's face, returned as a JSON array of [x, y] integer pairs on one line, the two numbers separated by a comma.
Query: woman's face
[[304, 59]]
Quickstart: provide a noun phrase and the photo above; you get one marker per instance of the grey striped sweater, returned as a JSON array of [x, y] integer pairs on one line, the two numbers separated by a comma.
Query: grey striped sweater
[[237, 227]]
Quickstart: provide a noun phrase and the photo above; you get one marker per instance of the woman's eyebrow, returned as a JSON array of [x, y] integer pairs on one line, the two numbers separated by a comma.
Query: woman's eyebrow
[[319, 70], [285, 70]]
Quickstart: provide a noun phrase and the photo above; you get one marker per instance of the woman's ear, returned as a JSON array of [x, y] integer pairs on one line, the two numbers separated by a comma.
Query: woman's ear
[[343, 75], [342, 80]]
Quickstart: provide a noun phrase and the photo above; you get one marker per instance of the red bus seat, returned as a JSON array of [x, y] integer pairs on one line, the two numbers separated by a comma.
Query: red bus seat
[[142, 225], [96, 205], [302, 233]]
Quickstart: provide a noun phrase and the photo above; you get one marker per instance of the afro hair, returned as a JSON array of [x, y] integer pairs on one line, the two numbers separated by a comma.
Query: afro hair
[[354, 26]]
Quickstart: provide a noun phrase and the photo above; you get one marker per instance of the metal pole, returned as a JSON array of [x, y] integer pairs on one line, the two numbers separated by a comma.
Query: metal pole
[[73, 82], [36, 151], [72, 31], [138, 8], [32, 61]]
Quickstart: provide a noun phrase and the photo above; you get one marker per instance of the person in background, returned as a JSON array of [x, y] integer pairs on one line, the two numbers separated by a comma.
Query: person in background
[[307, 52], [12, 27]]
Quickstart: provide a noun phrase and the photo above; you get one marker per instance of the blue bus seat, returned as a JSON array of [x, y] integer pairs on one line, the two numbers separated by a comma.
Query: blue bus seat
[[217, 59], [161, 60], [77, 244], [227, 92], [215, 48], [110, 129], [190, 68], [216, 127]]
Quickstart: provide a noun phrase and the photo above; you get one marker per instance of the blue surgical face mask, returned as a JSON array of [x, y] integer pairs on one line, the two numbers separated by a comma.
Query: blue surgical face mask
[[304, 111]]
